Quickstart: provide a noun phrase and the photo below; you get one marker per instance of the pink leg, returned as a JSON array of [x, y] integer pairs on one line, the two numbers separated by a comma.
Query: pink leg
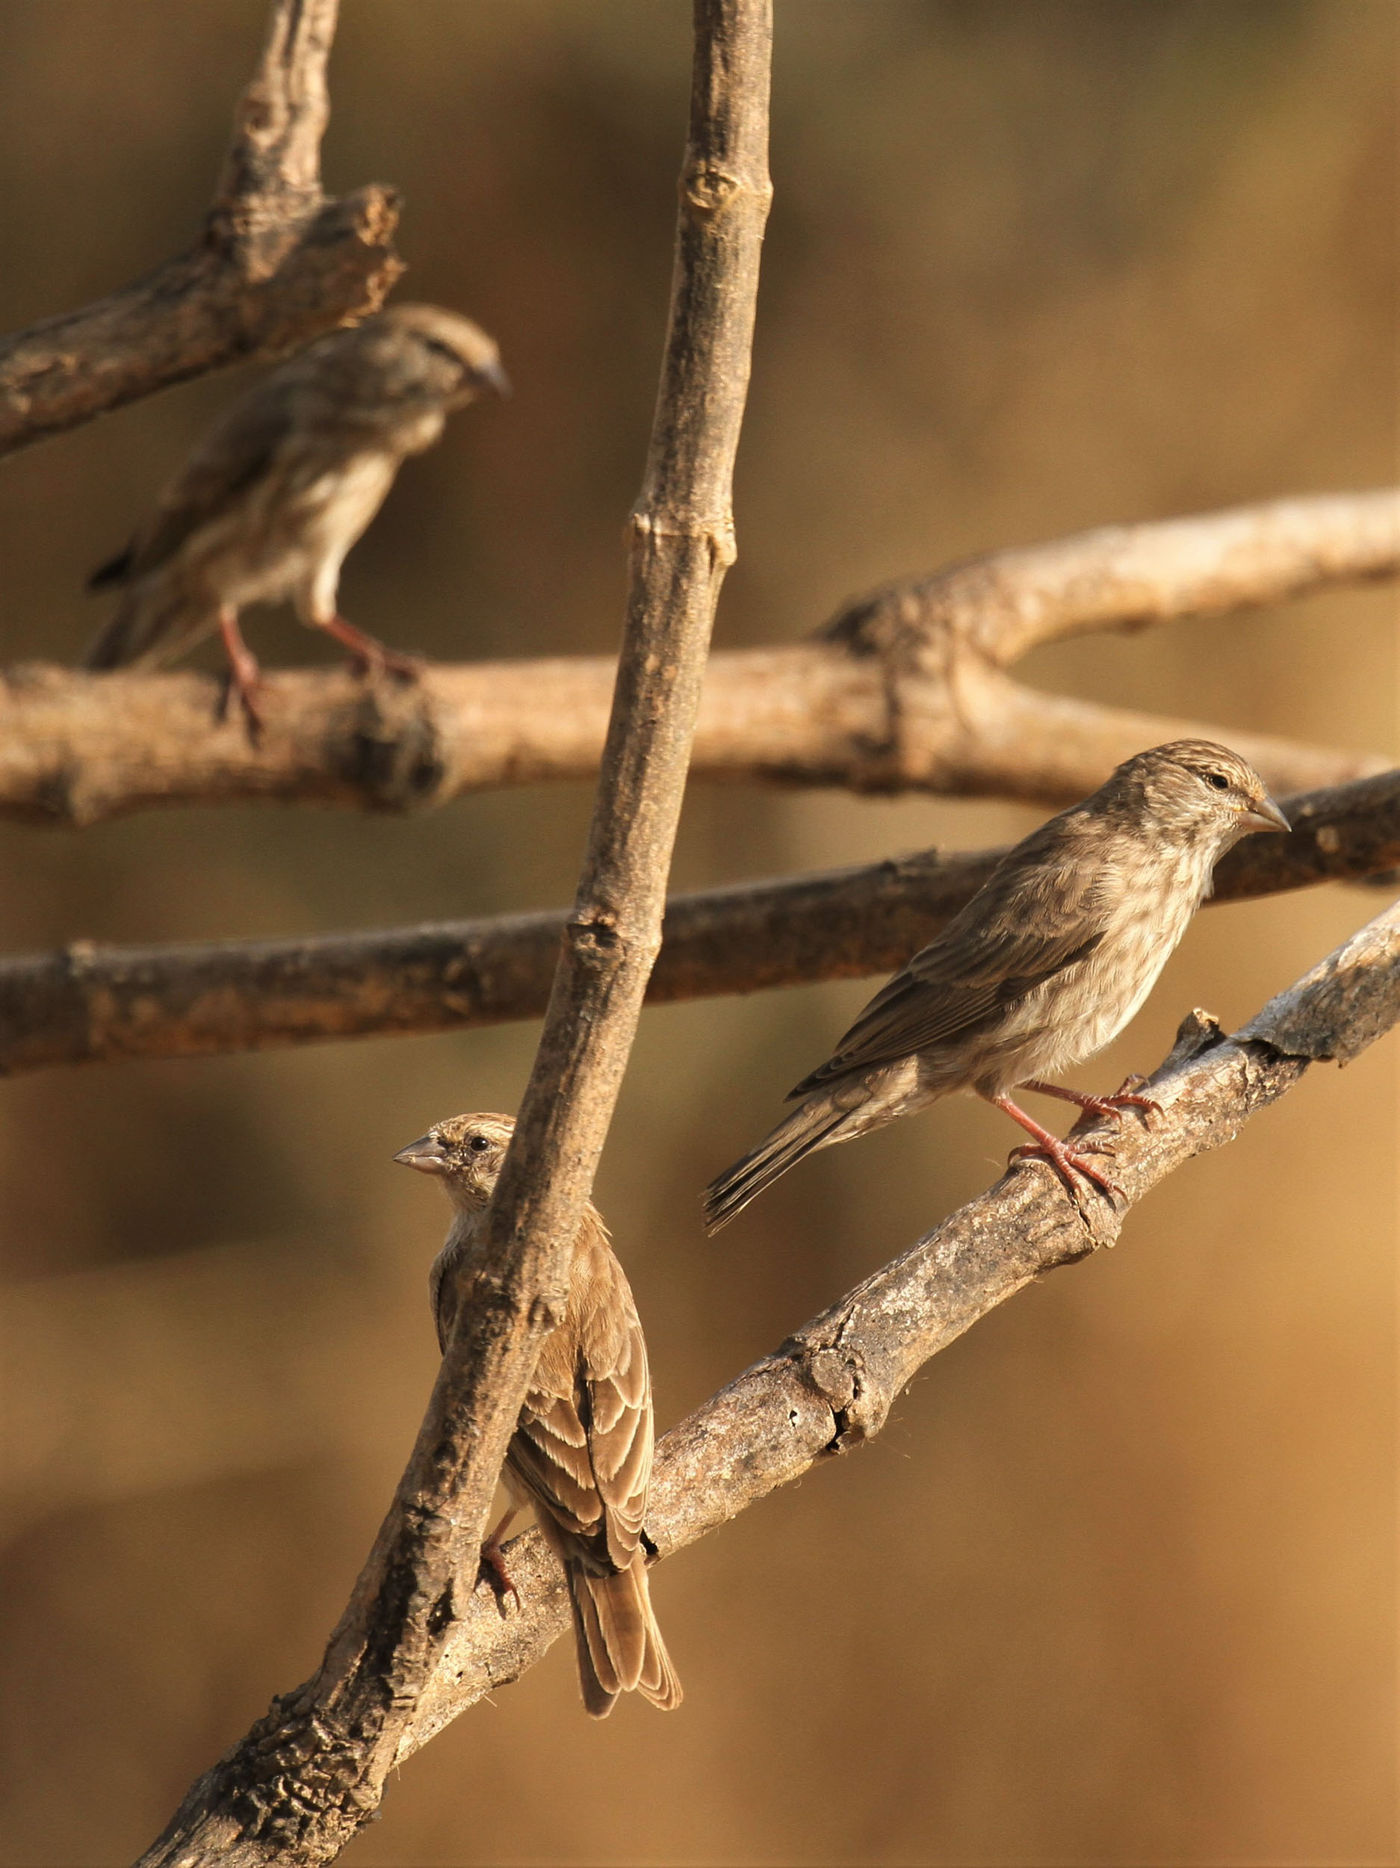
[[244, 675], [1111, 1107], [370, 653], [493, 1562], [1066, 1161]]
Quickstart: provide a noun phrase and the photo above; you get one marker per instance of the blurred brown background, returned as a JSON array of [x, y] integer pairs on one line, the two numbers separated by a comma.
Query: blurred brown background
[[1117, 1585]]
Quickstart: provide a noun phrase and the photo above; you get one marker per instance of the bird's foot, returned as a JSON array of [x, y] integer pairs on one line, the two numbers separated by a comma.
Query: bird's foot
[[493, 1567], [244, 676], [370, 655], [1108, 1108], [1070, 1163]]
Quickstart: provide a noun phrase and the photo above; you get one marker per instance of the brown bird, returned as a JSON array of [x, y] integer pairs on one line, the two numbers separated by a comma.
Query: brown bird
[[1046, 964], [581, 1451], [286, 481]]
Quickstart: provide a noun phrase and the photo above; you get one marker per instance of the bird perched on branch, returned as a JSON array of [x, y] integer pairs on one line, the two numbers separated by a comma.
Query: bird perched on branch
[[581, 1451], [1046, 964], [282, 486]]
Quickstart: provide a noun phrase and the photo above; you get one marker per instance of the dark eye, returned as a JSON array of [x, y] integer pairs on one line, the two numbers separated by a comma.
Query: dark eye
[[1218, 780], [479, 1143]]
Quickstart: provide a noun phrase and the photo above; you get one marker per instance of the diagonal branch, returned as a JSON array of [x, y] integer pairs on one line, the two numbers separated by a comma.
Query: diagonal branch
[[276, 264], [831, 1385], [906, 690], [311, 1773], [88, 1004]]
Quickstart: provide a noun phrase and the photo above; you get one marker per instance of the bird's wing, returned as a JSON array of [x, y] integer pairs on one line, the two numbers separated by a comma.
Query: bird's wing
[[232, 456], [1040, 911], [583, 1442]]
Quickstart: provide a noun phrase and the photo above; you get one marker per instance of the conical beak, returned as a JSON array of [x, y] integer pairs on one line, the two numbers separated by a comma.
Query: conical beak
[[1266, 816], [426, 1154], [495, 378]]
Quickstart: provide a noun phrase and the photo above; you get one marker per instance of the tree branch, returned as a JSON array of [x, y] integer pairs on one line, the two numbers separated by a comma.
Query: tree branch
[[88, 1004], [276, 264], [311, 1773], [831, 1385], [904, 691]]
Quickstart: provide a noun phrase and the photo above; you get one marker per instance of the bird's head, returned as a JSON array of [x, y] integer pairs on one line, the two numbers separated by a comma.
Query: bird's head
[[466, 1153], [441, 354], [1198, 789]]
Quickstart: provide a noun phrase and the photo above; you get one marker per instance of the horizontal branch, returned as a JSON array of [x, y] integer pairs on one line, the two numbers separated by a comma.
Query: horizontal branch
[[89, 1004], [832, 1384], [905, 691], [276, 263]]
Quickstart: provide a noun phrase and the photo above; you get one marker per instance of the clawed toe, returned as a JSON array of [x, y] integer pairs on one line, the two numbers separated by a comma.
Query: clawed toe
[[493, 1568], [1072, 1165]]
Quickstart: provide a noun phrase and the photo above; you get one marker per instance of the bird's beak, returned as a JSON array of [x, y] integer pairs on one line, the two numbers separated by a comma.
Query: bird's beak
[[426, 1154], [1265, 815], [495, 378]]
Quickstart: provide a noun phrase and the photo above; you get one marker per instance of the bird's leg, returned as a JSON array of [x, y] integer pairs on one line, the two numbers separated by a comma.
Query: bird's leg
[[1066, 1161], [1111, 1107], [494, 1563], [244, 675], [373, 656]]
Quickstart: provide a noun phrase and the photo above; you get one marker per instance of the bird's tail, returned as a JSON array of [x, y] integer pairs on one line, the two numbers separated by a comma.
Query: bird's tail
[[144, 632], [619, 1644], [810, 1126]]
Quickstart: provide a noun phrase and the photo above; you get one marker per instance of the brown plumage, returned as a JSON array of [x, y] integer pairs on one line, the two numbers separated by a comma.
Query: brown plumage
[[1046, 964], [284, 484], [581, 1452]]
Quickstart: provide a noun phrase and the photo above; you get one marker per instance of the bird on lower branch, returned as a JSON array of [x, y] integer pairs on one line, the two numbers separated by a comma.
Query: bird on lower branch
[[284, 484], [581, 1451], [1046, 964]]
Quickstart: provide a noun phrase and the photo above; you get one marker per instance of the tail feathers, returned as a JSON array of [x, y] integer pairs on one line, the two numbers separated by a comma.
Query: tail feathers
[[808, 1127], [145, 631], [620, 1649]]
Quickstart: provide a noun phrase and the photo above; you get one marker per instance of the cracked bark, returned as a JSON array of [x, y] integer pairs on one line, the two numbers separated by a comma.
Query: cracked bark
[[88, 1004], [277, 261], [905, 690]]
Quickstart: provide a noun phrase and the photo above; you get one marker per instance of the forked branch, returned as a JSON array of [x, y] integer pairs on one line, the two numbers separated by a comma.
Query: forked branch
[[906, 690], [276, 263]]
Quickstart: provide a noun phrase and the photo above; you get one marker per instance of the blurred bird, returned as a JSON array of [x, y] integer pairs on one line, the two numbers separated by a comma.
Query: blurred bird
[[1046, 964], [283, 485], [581, 1452]]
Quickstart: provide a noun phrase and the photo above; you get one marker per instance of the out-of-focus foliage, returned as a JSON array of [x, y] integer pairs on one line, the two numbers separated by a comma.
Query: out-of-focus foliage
[[1116, 1585]]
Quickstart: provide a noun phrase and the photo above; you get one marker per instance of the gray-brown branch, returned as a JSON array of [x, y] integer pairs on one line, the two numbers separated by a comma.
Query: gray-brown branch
[[88, 1004], [906, 690], [831, 1385], [311, 1773], [276, 263]]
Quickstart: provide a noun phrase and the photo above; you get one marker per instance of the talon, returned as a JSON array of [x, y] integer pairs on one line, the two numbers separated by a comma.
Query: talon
[[370, 655], [243, 677], [1071, 1162], [493, 1565]]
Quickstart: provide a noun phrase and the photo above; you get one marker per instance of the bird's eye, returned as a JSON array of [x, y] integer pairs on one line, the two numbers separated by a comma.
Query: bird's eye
[[479, 1144], [1218, 780]]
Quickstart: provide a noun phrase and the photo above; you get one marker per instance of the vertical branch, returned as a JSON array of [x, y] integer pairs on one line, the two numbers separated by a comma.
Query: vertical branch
[[311, 1773]]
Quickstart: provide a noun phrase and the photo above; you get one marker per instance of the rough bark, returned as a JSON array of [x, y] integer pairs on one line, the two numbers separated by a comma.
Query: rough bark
[[88, 1004], [276, 263], [311, 1773], [906, 690]]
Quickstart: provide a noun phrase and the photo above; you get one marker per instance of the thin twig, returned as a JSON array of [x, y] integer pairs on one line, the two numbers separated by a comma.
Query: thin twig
[[831, 1384], [310, 1774], [89, 1004], [276, 263]]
